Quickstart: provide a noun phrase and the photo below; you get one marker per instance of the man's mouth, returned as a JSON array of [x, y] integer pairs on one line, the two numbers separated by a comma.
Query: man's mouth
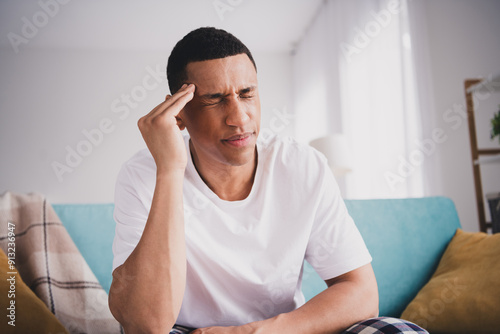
[[239, 140]]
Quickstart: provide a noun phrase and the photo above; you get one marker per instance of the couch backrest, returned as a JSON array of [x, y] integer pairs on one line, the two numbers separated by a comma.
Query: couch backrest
[[92, 228], [406, 238]]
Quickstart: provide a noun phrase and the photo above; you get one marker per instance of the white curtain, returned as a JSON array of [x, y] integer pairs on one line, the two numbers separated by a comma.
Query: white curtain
[[361, 70]]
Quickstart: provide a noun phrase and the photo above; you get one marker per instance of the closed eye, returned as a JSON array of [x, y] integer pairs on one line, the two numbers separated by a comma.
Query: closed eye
[[247, 93], [212, 101], [217, 98]]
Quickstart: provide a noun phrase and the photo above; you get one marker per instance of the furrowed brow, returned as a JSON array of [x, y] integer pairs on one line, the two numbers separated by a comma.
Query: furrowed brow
[[211, 96], [247, 89], [214, 96]]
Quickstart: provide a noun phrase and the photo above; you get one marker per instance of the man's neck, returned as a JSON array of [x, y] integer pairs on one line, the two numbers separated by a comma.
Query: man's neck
[[230, 183]]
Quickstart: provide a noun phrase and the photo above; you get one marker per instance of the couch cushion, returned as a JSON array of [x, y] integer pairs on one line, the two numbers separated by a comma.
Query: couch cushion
[[92, 228], [406, 238], [463, 295]]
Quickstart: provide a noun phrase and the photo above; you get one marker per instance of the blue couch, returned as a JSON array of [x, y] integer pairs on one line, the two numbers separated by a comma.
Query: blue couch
[[406, 238]]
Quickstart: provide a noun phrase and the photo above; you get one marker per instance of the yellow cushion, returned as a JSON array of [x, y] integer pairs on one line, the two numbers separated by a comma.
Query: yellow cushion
[[463, 295], [27, 311]]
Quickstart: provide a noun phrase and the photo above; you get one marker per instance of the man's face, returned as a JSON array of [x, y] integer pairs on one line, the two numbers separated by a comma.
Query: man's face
[[223, 118]]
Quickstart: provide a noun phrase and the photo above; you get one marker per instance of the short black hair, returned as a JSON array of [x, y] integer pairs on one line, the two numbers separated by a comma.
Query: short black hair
[[201, 44]]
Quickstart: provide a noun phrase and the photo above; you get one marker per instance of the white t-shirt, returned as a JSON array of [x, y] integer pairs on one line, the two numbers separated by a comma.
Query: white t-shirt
[[245, 258]]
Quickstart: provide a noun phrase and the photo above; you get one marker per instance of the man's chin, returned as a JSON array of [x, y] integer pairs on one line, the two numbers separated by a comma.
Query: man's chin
[[243, 157]]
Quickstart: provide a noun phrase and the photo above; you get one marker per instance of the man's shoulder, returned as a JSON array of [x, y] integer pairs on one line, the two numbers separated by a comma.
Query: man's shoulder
[[288, 148], [294, 164], [277, 142]]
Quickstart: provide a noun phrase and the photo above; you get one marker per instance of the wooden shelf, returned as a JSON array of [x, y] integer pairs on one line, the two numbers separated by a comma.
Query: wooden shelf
[[489, 84], [487, 160], [480, 156]]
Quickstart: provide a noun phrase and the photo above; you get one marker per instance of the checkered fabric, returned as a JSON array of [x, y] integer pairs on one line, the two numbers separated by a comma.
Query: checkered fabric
[[380, 325], [181, 330], [384, 325]]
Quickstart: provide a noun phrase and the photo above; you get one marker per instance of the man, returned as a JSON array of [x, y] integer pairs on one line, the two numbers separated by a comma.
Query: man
[[212, 228]]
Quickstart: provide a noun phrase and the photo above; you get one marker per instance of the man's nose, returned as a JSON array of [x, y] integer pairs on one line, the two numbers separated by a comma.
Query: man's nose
[[237, 114]]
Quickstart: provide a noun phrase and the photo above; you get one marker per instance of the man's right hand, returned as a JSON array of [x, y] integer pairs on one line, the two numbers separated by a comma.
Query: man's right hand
[[161, 250], [161, 130]]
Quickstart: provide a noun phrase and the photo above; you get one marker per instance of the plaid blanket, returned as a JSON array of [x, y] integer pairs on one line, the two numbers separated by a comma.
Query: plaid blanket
[[51, 265]]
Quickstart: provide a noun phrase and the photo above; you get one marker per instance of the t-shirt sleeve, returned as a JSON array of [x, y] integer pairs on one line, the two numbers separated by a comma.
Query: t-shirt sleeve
[[130, 215], [335, 245]]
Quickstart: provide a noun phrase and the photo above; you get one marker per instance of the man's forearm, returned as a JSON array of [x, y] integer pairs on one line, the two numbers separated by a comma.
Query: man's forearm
[[350, 298], [147, 290], [331, 311]]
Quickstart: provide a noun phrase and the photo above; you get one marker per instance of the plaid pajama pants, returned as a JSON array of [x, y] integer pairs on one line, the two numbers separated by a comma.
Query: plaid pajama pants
[[380, 325], [384, 325]]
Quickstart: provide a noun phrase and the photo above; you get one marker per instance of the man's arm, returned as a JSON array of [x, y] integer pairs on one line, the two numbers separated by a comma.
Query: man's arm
[[349, 298], [147, 289]]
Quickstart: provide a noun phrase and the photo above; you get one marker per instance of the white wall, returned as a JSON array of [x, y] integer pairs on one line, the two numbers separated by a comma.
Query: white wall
[[316, 81], [464, 43], [49, 96], [274, 71]]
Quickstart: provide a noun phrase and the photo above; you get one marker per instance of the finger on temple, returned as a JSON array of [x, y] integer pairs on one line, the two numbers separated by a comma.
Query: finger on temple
[[165, 105]]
